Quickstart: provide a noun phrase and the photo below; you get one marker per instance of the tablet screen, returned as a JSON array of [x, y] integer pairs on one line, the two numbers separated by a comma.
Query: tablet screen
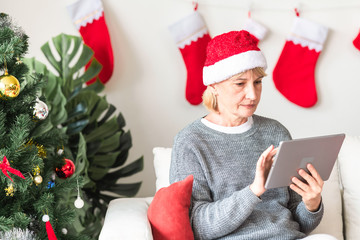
[[321, 152]]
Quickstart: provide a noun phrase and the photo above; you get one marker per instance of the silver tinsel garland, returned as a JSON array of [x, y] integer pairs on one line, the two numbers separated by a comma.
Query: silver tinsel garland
[[7, 21], [17, 234]]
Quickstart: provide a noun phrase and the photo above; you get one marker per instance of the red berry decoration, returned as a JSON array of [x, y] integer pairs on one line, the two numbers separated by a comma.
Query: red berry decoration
[[67, 170]]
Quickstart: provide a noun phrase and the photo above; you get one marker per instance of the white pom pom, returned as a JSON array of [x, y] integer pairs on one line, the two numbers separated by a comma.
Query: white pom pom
[[64, 231], [45, 218], [79, 203], [60, 152]]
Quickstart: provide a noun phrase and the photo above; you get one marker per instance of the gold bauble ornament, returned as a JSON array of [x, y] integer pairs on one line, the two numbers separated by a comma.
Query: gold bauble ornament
[[9, 86], [38, 180]]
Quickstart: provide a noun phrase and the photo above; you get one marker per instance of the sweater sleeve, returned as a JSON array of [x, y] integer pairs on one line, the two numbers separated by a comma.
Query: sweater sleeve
[[307, 220], [210, 219]]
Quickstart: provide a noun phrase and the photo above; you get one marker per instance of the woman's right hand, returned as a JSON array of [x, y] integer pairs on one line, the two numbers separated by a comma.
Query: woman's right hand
[[263, 167]]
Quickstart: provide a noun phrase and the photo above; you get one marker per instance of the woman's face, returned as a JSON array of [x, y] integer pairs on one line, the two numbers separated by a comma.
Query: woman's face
[[239, 96]]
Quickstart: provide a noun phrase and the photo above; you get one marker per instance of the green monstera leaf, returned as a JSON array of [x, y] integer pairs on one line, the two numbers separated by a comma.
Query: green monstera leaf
[[96, 138]]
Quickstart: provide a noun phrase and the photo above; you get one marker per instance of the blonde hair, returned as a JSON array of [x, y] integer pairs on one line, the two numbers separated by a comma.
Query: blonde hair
[[209, 98]]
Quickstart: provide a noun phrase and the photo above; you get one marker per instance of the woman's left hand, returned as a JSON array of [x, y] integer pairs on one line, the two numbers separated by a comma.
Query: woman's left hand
[[310, 191]]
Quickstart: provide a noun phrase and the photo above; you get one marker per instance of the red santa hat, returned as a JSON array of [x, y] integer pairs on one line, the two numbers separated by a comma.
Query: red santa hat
[[229, 54]]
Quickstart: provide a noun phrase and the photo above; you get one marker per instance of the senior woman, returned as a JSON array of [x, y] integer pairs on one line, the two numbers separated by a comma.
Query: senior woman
[[230, 150]]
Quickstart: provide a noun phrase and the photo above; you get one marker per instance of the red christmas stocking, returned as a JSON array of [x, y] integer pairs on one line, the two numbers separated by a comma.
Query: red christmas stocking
[[356, 41], [255, 29], [294, 73], [88, 17], [191, 36]]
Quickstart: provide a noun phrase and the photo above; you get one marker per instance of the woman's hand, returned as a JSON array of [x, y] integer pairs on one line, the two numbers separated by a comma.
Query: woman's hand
[[311, 190], [263, 167]]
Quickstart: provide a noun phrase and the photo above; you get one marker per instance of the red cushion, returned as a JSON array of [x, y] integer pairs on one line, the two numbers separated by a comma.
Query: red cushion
[[168, 212]]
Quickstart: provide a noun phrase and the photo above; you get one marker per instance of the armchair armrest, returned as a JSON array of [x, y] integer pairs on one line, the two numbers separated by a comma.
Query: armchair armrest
[[126, 219]]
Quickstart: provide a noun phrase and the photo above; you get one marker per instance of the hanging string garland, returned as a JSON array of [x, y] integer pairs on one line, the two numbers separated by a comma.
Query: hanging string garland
[[284, 5]]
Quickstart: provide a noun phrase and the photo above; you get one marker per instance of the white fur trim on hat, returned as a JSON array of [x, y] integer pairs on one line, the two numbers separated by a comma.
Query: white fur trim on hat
[[255, 28], [233, 65]]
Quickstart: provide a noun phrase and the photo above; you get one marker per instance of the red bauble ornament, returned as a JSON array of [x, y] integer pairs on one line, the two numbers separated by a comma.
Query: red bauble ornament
[[67, 170]]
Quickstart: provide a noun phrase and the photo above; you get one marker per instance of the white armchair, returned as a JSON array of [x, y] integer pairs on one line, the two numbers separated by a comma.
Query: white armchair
[[126, 218]]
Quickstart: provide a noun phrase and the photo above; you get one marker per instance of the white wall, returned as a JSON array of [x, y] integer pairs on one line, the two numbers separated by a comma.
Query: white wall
[[148, 83]]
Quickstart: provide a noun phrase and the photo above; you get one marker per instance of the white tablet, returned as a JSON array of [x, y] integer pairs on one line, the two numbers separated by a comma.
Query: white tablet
[[292, 155]]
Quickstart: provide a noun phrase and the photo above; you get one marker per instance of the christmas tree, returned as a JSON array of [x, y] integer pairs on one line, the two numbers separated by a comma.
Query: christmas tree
[[32, 150], [97, 141]]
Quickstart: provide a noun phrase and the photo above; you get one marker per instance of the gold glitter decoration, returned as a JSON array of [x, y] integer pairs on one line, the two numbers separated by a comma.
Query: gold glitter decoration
[[41, 148], [36, 170], [18, 61], [10, 190]]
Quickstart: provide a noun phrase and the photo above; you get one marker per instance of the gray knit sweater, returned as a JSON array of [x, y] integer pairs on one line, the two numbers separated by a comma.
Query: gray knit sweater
[[223, 165]]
